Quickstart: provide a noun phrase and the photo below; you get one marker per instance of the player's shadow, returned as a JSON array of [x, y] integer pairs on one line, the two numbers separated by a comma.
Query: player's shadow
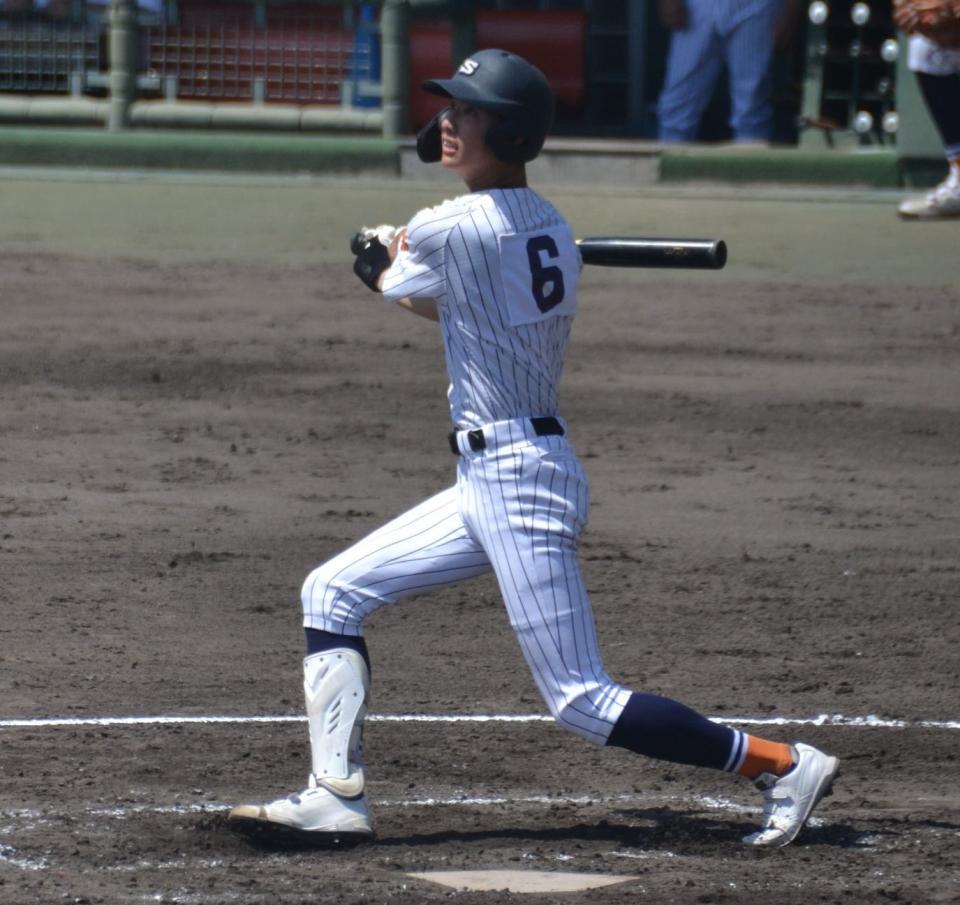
[[648, 828]]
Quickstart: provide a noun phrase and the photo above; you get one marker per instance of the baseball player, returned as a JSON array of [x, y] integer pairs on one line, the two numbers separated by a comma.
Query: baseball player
[[498, 267], [934, 55]]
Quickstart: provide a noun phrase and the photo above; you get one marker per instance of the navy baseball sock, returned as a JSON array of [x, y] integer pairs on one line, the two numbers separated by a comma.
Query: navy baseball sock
[[319, 641], [667, 730]]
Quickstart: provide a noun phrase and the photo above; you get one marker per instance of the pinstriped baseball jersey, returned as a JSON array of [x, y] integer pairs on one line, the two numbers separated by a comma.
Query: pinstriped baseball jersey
[[503, 267]]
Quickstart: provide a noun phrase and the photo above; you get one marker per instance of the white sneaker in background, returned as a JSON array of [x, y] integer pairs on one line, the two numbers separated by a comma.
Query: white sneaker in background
[[941, 203]]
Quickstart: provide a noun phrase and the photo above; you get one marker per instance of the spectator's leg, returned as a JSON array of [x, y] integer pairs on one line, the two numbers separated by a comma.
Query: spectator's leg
[[694, 62], [749, 54]]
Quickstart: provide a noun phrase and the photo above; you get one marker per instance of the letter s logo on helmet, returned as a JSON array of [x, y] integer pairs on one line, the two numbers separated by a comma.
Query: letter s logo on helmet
[[504, 84]]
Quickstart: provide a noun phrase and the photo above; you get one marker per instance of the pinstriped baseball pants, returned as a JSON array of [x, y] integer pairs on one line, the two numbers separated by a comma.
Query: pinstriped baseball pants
[[518, 508]]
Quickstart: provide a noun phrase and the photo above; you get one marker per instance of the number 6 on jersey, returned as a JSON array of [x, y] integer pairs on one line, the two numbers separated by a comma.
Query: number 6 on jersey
[[543, 275], [540, 274]]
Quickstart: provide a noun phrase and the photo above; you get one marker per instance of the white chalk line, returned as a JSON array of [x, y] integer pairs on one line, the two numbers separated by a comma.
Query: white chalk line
[[9, 855], [870, 721], [34, 819]]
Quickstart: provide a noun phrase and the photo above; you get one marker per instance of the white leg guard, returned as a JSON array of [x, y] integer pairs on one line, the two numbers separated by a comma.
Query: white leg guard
[[336, 684], [333, 809]]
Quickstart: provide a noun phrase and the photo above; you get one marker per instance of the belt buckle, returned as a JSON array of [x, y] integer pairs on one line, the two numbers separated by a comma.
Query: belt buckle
[[476, 440]]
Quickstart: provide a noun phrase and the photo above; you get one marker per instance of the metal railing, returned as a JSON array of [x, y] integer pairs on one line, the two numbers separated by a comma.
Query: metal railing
[[231, 61], [46, 57], [307, 66]]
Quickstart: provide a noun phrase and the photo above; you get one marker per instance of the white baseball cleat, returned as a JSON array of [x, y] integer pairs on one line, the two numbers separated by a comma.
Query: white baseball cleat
[[316, 817], [789, 800], [941, 203]]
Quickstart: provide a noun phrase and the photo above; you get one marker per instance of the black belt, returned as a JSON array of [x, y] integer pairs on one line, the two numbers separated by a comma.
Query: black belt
[[543, 427]]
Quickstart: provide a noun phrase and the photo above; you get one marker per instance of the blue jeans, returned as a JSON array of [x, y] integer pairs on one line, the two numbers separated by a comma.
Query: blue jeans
[[738, 35]]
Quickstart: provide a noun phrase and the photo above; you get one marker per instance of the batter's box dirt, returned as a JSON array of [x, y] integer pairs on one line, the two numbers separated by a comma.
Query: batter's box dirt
[[773, 533]]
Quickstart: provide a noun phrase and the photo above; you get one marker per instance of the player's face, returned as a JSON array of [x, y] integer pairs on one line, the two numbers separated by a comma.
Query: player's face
[[462, 141]]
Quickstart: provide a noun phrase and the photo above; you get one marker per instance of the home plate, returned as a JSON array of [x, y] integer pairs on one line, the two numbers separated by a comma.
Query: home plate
[[520, 880]]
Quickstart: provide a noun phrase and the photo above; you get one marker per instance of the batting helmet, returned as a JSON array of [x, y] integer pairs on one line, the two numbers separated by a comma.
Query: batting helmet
[[505, 84]]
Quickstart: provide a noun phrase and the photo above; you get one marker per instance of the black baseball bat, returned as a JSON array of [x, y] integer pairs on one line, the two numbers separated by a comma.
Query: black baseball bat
[[637, 251]]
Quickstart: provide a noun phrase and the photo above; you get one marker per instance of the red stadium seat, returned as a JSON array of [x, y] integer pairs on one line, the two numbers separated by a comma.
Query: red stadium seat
[[217, 53], [202, 15], [430, 57]]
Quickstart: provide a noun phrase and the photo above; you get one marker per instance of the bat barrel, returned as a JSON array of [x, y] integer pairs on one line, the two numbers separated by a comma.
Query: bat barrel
[[619, 251]]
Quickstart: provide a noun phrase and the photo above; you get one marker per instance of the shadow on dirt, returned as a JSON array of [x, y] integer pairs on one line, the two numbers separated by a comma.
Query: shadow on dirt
[[651, 828]]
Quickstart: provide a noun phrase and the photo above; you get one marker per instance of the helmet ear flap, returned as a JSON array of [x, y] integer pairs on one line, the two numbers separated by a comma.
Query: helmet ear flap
[[428, 139], [508, 144]]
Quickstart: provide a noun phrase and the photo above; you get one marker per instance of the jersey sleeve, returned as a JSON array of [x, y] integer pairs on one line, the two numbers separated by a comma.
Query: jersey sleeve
[[419, 270]]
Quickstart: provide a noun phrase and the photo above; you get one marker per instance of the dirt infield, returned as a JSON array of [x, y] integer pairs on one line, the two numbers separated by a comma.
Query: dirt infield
[[201, 403]]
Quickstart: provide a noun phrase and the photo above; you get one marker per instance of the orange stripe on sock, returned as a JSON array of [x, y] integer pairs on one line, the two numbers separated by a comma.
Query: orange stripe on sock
[[765, 757]]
